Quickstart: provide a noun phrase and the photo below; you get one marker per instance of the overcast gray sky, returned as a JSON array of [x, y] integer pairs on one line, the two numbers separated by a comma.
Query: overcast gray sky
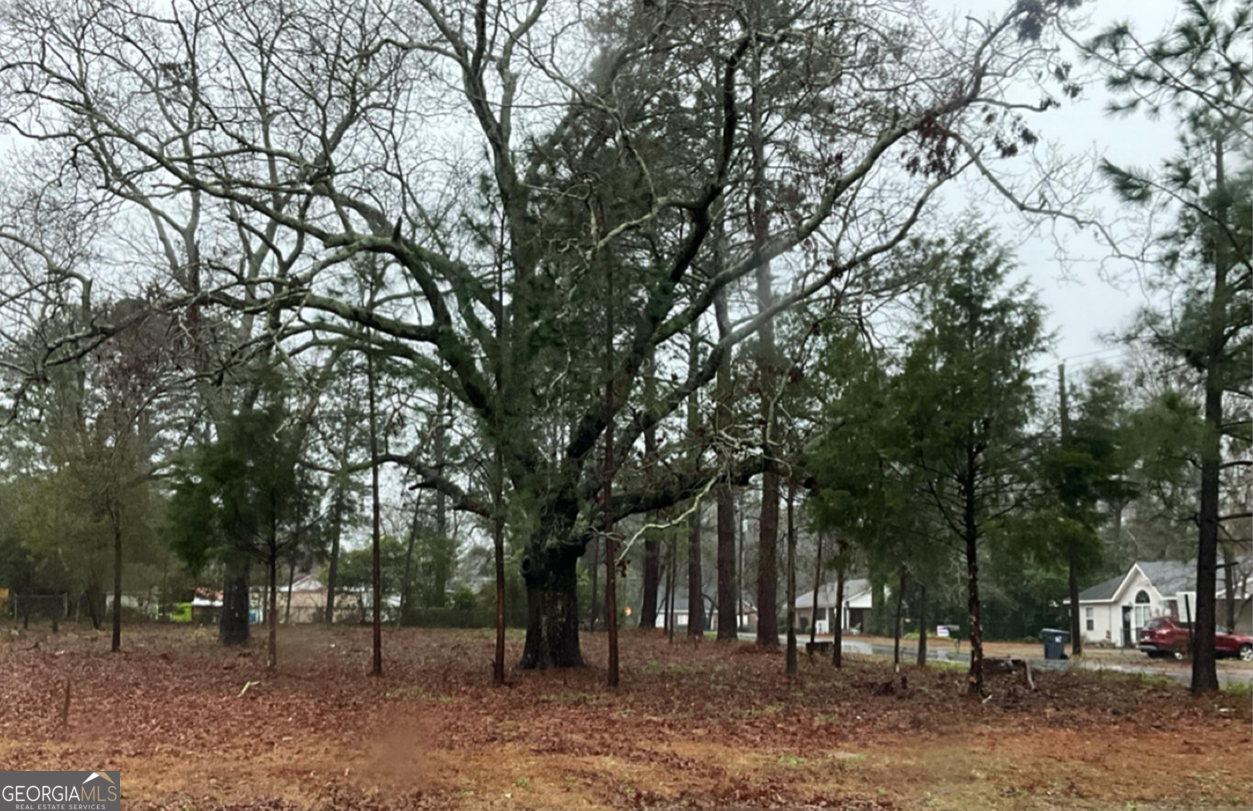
[[1082, 305]]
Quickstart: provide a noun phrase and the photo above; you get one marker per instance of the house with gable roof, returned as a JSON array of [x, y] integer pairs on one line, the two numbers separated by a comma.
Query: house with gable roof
[[1113, 612]]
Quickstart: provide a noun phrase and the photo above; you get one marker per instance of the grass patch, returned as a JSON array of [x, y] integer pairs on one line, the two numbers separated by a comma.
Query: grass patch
[[1238, 688]]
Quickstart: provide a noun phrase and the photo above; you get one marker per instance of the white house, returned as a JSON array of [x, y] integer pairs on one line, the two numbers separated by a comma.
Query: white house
[[857, 601], [747, 613], [1114, 611]]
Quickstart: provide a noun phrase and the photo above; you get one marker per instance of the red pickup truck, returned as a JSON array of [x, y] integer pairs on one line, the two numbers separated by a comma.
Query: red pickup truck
[[1166, 636]]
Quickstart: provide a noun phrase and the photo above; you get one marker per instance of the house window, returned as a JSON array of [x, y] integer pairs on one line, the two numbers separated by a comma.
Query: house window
[[1089, 614]]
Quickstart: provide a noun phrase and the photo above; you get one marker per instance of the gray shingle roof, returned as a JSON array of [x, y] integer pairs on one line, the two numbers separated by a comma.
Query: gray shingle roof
[[1169, 577], [1103, 591], [826, 593]]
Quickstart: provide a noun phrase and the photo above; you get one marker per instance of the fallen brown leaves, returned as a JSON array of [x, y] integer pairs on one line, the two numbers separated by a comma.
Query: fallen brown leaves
[[703, 726]]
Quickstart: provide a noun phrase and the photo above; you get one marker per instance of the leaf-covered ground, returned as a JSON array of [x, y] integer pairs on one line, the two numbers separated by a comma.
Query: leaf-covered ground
[[704, 726]]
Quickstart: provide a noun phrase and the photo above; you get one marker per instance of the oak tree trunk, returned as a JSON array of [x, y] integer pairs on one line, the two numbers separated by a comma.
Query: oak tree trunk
[[552, 601]]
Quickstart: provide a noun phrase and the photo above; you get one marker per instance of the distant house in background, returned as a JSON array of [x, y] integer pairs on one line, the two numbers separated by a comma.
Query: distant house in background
[[858, 599], [1114, 611], [307, 599], [206, 607], [747, 612]]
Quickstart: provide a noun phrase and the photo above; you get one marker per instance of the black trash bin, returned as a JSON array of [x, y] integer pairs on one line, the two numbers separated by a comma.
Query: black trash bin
[[1054, 643]]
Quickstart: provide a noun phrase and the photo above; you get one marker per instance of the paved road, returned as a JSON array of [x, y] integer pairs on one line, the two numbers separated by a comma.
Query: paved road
[[945, 653]]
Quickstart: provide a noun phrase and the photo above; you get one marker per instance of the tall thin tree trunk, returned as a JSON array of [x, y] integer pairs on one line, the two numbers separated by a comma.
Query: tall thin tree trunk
[[271, 650], [837, 647], [291, 582], [611, 564], [1204, 655], [593, 569], [498, 499], [670, 584], [767, 547], [92, 610], [652, 576], [332, 567], [695, 599], [896, 627], [971, 531], [728, 598], [695, 579], [117, 577], [1229, 586], [1072, 561], [922, 624], [813, 619], [407, 585], [652, 546], [791, 579], [376, 668], [739, 576]]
